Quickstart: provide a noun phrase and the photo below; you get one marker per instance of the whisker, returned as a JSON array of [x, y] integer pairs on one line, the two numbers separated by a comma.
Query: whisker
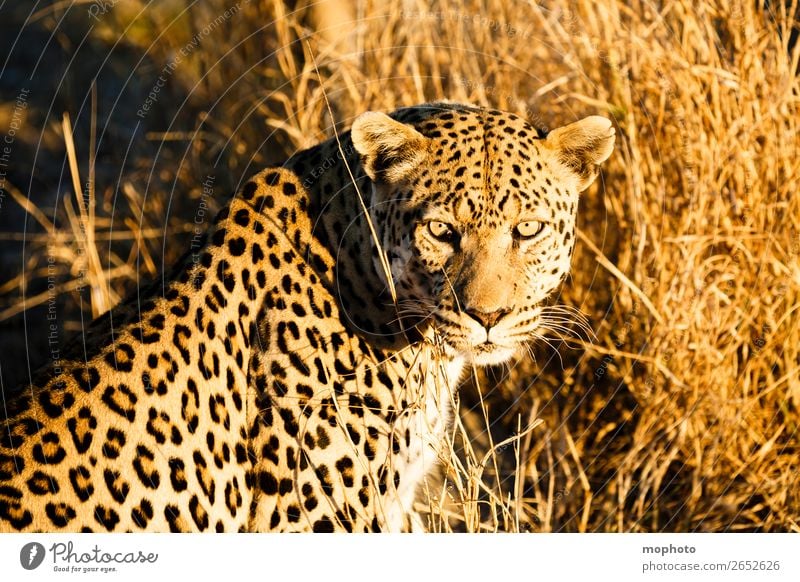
[[554, 348]]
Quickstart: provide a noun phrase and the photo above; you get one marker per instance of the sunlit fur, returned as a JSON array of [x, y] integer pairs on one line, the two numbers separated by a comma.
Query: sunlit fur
[[499, 173]]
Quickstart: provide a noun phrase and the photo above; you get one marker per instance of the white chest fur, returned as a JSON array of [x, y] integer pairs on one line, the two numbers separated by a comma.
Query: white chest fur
[[426, 418]]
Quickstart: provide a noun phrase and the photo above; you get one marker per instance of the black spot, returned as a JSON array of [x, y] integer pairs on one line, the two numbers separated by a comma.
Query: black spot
[[236, 246], [59, 513], [13, 513], [355, 405], [49, 451], [115, 440], [106, 517], [173, 516], [40, 483], [275, 519], [180, 310], [180, 332], [10, 492], [345, 467], [144, 461], [384, 379], [222, 215], [267, 483], [80, 478], [372, 404], [369, 451], [249, 190], [117, 487], [142, 514], [263, 202], [80, 428], [205, 480], [323, 440], [242, 217], [355, 436], [218, 238], [10, 465], [87, 378], [55, 400], [293, 514], [121, 357], [289, 422], [324, 525], [199, 514], [285, 486], [177, 474], [121, 400]]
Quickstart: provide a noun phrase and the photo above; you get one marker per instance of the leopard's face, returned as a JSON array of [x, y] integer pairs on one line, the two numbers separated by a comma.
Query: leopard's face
[[482, 277], [476, 212]]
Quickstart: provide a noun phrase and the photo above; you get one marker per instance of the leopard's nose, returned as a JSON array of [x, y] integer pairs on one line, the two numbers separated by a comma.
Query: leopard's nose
[[487, 320]]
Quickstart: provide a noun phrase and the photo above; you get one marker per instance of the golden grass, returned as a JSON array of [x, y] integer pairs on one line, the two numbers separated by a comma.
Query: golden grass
[[682, 414]]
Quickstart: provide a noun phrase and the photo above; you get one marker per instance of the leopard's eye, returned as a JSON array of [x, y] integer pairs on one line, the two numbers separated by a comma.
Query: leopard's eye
[[441, 231], [529, 229]]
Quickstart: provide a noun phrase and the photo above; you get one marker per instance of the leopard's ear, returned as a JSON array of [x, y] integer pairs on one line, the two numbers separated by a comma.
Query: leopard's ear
[[390, 151], [582, 146]]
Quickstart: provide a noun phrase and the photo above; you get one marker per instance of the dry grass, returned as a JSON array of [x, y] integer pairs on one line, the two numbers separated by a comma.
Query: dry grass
[[682, 414]]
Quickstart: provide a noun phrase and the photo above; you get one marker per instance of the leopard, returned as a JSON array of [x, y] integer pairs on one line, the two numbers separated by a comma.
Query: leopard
[[297, 369]]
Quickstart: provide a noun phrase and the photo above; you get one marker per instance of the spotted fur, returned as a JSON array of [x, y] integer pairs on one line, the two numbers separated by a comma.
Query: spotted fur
[[292, 374]]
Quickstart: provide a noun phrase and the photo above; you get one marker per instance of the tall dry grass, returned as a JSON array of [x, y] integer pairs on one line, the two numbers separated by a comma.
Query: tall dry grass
[[682, 413]]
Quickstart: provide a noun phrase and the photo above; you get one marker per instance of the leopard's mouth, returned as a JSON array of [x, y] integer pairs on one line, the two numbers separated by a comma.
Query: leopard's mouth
[[481, 353], [460, 337]]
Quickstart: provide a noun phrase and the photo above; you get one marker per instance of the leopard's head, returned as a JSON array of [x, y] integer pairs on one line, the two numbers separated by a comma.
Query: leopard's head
[[475, 213]]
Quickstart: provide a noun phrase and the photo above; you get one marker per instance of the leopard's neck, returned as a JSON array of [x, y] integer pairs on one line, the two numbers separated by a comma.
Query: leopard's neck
[[341, 226]]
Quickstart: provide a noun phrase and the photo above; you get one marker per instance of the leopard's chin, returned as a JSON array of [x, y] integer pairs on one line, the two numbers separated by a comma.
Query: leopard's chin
[[484, 354], [488, 354]]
